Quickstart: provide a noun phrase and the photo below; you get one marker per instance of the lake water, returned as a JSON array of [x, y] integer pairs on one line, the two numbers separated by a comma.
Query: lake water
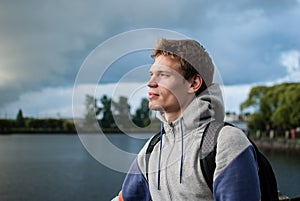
[[59, 168]]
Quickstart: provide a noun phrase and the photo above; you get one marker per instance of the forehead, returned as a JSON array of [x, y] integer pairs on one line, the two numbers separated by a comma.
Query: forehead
[[167, 63]]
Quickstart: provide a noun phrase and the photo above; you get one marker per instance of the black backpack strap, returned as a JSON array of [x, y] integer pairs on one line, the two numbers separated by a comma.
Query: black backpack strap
[[155, 139], [208, 150]]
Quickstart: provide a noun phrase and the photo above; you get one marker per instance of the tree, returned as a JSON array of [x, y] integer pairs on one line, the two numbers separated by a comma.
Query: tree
[[122, 107], [258, 120], [92, 110], [276, 107], [141, 117], [254, 98], [107, 120], [287, 113], [121, 111], [20, 121]]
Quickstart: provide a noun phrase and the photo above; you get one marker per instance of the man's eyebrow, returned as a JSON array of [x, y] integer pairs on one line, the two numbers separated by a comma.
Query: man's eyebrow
[[160, 71]]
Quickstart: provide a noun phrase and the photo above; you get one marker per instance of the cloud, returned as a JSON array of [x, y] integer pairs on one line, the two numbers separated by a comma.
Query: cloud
[[34, 49], [48, 102], [44, 43], [290, 60], [234, 95]]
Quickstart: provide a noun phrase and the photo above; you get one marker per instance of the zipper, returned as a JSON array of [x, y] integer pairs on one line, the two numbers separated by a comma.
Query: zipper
[[167, 161]]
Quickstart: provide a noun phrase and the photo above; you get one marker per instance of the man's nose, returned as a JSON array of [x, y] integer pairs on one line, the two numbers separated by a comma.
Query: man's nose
[[152, 83]]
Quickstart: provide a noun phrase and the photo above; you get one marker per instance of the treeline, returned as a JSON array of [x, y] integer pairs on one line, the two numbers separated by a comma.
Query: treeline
[[31, 125], [275, 108], [115, 116]]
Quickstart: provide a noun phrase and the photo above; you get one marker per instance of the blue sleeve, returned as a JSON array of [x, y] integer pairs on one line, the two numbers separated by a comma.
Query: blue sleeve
[[239, 180], [135, 186]]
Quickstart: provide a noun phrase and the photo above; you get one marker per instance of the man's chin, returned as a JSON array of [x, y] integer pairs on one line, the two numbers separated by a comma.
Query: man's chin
[[155, 107]]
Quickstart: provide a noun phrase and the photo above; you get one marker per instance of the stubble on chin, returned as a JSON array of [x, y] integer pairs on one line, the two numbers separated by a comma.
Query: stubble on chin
[[155, 107]]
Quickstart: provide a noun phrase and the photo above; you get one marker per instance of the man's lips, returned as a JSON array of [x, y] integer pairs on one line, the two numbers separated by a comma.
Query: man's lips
[[152, 95]]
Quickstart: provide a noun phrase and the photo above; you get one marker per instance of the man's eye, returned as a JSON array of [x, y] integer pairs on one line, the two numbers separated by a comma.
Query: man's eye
[[164, 75]]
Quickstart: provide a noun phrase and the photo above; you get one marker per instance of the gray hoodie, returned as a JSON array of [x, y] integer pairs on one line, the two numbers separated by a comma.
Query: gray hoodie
[[174, 171]]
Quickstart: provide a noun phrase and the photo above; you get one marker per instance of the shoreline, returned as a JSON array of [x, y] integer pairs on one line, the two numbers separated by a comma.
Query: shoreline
[[277, 144], [288, 145]]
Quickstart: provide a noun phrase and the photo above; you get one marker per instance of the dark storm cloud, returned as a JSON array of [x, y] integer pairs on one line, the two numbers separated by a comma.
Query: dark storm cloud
[[43, 43]]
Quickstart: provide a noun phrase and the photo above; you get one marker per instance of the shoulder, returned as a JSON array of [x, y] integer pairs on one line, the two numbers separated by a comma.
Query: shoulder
[[236, 167], [232, 138], [231, 143]]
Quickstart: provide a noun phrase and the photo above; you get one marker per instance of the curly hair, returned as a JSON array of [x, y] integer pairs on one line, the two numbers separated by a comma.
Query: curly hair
[[192, 56]]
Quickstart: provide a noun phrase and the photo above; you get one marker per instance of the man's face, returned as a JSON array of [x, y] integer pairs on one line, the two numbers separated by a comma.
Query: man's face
[[168, 90]]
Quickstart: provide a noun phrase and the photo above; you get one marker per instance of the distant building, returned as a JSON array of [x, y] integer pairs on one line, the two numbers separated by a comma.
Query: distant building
[[237, 121], [230, 117]]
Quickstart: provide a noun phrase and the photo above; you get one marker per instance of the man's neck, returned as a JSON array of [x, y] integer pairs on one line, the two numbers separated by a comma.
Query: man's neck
[[172, 116]]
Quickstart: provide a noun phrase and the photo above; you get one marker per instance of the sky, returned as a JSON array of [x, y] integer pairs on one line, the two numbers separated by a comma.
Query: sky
[[44, 44]]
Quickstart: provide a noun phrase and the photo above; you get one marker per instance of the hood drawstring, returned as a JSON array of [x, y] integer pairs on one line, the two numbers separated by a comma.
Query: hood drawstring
[[159, 159], [181, 158], [160, 152]]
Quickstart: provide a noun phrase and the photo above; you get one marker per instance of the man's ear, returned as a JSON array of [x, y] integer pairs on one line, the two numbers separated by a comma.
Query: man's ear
[[195, 83]]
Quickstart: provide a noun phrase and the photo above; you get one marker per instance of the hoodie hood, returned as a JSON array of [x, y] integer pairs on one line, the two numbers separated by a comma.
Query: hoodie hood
[[207, 106]]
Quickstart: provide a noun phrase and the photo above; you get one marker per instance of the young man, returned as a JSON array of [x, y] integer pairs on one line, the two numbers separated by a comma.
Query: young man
[[186, 100]]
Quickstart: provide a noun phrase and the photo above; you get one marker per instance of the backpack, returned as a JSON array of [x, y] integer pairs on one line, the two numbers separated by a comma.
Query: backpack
[[267, 179], [208, 148]]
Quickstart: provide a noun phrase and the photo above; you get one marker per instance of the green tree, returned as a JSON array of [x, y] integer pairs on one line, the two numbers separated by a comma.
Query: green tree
[[254, 101], [20, 121], [254, 97], [6, 125], [141, 117], [121, 112], [275, 107], [287, 112], [69, 126], [121, 107], [92, 110], [107, 120]]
